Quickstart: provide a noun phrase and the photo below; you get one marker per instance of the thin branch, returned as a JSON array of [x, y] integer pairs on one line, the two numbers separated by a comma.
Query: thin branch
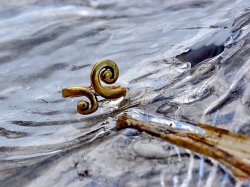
[[230, 149]]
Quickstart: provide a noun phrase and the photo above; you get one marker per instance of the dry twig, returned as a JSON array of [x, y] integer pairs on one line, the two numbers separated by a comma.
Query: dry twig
[[230, 149]]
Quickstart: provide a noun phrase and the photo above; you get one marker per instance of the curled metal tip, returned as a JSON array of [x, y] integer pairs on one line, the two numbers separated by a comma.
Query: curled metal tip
[[106, 71], [83, 107]]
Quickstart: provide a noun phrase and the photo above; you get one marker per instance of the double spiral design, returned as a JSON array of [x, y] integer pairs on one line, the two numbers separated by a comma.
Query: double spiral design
[[106, 71]]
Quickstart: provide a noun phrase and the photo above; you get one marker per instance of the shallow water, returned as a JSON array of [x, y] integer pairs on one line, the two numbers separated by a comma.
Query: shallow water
[[49, 45]]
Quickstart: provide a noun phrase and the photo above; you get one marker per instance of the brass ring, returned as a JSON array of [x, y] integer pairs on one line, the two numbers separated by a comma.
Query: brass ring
[[106, 71]]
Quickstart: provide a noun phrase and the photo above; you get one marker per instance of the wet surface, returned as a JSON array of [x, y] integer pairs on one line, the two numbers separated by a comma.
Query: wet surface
[[49, 45]]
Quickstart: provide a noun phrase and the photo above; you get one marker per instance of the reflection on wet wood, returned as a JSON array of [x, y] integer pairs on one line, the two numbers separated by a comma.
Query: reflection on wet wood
[[230, 149]]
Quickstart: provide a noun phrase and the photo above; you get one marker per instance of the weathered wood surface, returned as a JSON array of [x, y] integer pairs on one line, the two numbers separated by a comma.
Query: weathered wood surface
[[49, 45]]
